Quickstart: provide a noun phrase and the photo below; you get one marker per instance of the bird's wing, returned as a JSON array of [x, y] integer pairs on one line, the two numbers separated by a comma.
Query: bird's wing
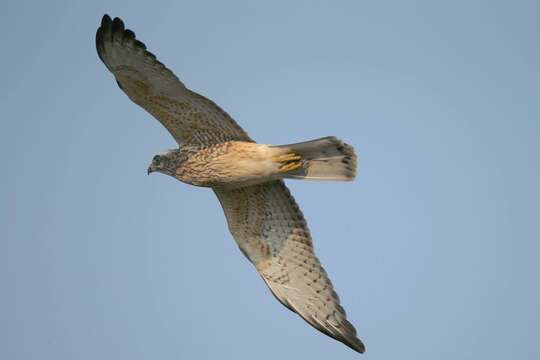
[[271, 231], [189, 117]]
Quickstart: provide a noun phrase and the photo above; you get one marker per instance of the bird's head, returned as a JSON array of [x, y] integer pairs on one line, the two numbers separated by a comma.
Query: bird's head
[[165, 162]]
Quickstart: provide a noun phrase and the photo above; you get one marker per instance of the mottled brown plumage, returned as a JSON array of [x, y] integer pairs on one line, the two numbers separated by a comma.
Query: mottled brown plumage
[[247, 178]]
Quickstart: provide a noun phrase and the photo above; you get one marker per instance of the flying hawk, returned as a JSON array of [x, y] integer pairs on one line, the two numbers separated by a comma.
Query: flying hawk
[[247, 178]]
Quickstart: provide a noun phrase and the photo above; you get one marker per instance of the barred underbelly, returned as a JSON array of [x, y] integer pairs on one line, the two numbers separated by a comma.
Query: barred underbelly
[[229, 165]]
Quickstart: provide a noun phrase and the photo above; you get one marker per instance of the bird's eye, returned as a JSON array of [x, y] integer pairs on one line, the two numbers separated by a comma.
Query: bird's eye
[[156, 158]]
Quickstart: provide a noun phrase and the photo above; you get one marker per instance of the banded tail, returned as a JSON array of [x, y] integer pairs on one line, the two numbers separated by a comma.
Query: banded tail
[[326, 158]]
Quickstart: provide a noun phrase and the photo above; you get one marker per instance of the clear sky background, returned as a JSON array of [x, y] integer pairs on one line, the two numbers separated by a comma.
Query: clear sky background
[[434, 249]]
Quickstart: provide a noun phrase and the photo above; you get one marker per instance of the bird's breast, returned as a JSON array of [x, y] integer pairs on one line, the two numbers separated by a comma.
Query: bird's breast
[[231, 164]]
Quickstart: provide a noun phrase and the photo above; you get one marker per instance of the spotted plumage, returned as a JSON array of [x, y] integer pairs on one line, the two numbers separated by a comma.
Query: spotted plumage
[[247, 178]]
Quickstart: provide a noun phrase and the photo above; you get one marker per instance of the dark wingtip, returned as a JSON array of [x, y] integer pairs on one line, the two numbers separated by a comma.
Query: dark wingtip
[[117, 25], [357, 345], [113, 31], [129, 35], [99, 43], [140, 44], [102, 31], [105, 19], [107, 30]]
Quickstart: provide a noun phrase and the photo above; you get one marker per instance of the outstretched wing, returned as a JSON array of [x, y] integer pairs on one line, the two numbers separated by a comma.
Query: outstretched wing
[[271, 231], [189, 117]]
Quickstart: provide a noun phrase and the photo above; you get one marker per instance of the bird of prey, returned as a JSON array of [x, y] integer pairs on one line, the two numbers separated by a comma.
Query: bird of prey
[[247, 178]]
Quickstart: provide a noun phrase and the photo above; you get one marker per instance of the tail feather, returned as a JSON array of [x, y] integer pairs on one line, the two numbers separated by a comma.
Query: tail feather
[[327, 158]]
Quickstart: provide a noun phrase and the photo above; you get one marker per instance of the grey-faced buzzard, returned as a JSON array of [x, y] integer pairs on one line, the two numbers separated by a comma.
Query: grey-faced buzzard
[[247, 178]]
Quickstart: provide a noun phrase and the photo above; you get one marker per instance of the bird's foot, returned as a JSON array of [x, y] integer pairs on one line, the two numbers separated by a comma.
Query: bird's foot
[[288, 162]]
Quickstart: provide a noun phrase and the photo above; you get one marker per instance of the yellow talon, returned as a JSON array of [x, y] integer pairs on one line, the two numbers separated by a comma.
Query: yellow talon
[[290, 166], [287, 158]]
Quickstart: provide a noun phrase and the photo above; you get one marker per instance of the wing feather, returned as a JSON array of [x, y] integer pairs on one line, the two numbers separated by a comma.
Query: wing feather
[[188, 116], [271, 231]]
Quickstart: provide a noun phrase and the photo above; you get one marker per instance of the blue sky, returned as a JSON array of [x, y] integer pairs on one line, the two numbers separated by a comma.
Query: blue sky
[[433, 249]]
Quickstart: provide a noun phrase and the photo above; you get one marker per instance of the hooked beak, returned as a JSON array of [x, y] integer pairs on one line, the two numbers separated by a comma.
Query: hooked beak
[[149, 171]]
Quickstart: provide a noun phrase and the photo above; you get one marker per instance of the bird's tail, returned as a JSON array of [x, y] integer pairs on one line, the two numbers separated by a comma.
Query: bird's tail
[[327, 158]]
